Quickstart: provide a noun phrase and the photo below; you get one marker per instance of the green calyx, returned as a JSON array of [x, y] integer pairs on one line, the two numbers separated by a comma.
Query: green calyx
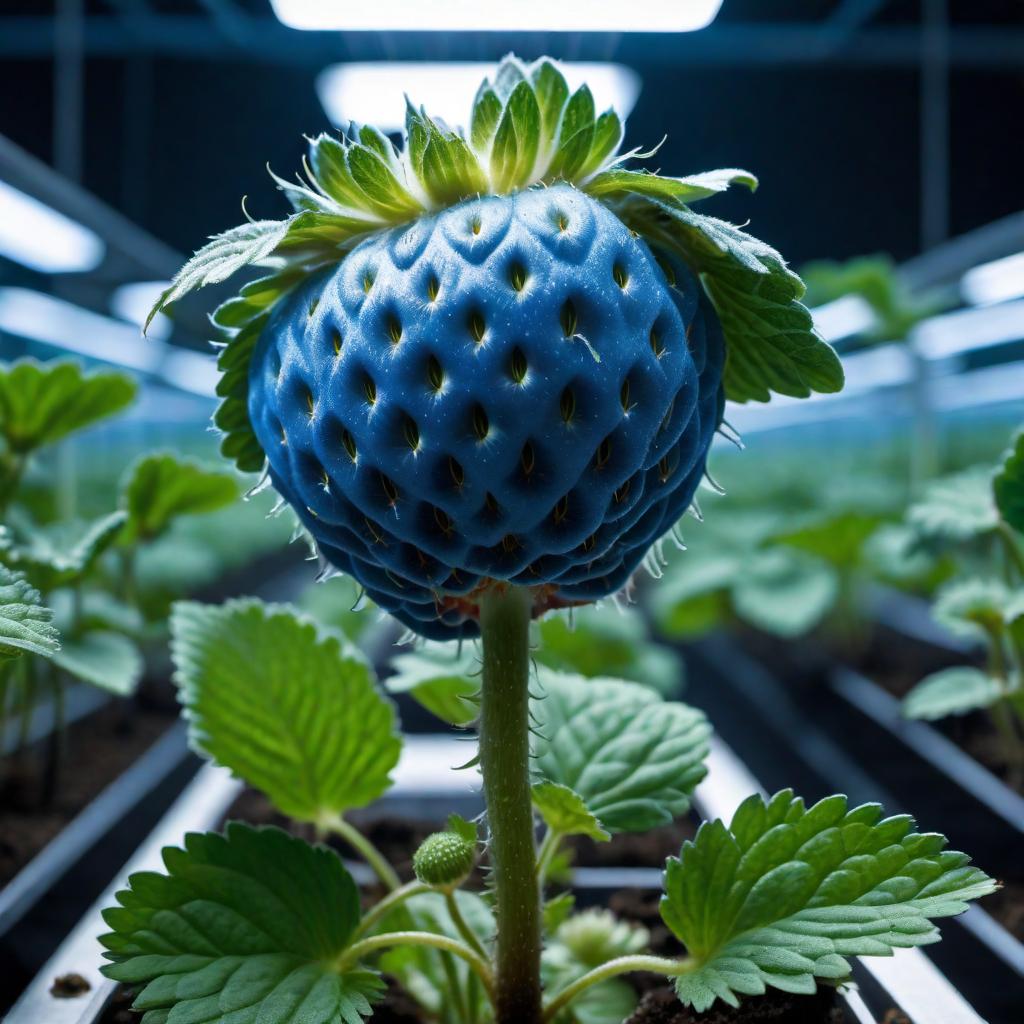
[[525, 130], [444, 860]]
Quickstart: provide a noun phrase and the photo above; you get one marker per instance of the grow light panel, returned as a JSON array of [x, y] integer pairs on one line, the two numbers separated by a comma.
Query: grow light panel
[[967, 330], [374, 92], [997, 281], [52, 321], [498, 15], [132, 302], [43, 239]]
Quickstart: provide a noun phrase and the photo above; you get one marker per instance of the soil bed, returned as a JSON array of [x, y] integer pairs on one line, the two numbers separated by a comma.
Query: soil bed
[[98, 749]]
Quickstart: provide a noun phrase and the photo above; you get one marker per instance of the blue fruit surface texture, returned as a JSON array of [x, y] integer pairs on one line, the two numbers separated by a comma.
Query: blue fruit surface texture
[[514, 388]]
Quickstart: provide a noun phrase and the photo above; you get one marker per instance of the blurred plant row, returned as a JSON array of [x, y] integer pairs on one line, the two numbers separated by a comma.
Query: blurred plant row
[[88, 566]]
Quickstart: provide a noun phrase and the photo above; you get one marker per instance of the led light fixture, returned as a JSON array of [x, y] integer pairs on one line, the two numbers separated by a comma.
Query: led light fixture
[[52, 321], [497, 15], [997, 281], [374, 92], [41, 238]]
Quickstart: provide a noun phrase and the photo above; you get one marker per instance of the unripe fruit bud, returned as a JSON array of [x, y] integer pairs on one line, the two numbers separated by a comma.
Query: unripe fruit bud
[[444, 859]]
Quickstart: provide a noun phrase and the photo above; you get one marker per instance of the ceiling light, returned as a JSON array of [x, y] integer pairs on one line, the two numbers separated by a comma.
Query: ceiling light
[[39, 237], [132, 302], [374, 92], [498, 15], [967, 330], [52, 321], [994, 282]]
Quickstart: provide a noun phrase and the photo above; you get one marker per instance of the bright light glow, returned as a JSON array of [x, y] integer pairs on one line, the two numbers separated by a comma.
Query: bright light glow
[[497, 15], [843, 317], [132, 302], [997, 281], [969, 329], [37, 236], [374, 92], [52, 321]]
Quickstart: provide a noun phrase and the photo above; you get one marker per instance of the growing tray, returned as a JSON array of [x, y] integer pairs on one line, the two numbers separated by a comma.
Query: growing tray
[[817, 743], [425, 787]]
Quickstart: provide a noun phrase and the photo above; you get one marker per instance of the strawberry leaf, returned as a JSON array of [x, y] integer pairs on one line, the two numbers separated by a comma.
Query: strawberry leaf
[[443, 680], [291, 709], [565, 812], [784, 894], [104, 659], [956, 508], [769, 334], [25, 622], [632, 758], [41, 403], [1008, 485], [953, 691], [61, 554], [243, 926], [162, 487]]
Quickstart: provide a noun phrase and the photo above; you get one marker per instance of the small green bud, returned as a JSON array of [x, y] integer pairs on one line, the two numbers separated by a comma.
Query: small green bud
[[445, 859]]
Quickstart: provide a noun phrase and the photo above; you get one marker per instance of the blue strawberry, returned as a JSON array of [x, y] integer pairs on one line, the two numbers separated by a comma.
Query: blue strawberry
[[499, 356]]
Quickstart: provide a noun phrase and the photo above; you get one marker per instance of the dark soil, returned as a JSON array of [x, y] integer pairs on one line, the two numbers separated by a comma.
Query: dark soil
[[660, 1006], [98, 749]]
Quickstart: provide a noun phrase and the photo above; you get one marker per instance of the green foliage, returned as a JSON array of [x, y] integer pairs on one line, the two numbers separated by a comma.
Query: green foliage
[[953, 691], [1008, 485], [336, 604], [41, 403], [956, 508], [784, 592], [61, 554], [784, 894], [608, 641], [291, 709], [442, 677], [243, 926], [429, 975], [25, 622], [162, 487], [874, 279], [104, 659], [565, 812], [582, 942], [632, 759]]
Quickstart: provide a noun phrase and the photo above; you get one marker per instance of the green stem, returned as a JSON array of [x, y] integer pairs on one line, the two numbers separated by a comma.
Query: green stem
[[392, 900], [472, 940], [385, 872], [1014, 555], [375, 943], [621, 965], [12, 466], [548, 849], [505, 762]]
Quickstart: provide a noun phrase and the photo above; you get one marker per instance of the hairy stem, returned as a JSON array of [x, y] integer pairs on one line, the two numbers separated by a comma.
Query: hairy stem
[[621, 965], [504, 760], [375, 943], [385, 872]]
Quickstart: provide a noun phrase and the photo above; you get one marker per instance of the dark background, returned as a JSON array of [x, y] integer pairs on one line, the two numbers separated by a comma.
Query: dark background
[[183, 102]]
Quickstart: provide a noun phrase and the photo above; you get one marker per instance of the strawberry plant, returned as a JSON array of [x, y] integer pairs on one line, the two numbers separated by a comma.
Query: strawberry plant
[[977, 516], [485, 370], [78, 577]]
